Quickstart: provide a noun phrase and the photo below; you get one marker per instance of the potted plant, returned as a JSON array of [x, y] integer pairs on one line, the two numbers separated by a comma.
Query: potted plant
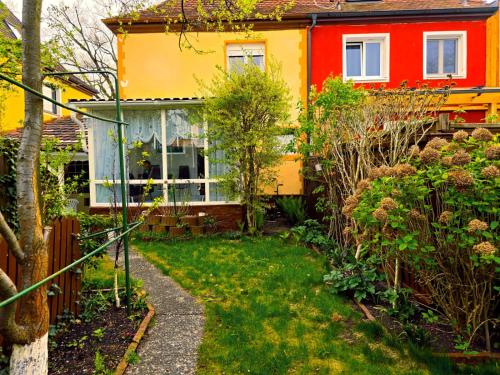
[[178, 230]]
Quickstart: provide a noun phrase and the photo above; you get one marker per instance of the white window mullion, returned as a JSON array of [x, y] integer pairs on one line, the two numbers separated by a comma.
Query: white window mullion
[[164, 159], [207, 162]]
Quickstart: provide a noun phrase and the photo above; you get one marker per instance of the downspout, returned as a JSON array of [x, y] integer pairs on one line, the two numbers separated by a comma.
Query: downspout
[[80, 124], [309, 62]]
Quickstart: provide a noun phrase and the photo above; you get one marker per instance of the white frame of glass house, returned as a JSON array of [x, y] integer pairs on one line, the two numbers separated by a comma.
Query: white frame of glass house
[[102, 151]]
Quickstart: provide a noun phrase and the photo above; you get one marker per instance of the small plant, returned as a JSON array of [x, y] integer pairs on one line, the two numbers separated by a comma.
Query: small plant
[[312, 233], [133, 358], [430, 317], [356, 278], [78, 344], [293, 208], [100, 365], [95, 304], [98, 334]]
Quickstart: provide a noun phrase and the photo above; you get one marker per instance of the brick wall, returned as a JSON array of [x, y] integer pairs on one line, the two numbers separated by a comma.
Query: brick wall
[[227, 215]]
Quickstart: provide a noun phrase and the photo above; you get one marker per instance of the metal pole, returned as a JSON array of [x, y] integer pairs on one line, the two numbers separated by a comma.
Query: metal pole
[[122, 172], [123, 191]]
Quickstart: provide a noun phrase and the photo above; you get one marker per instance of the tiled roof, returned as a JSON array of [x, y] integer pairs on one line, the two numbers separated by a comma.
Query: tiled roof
[[303, 8], [8, 18], [62, 128]]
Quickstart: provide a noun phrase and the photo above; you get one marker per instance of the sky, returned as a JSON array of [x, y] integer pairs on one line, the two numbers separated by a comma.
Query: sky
[[17, 5]]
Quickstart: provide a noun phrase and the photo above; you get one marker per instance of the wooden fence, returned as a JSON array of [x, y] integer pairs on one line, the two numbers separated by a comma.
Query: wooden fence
[[64, 290]]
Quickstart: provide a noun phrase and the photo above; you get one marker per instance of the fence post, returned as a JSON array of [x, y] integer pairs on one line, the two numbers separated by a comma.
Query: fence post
[[443, 122]]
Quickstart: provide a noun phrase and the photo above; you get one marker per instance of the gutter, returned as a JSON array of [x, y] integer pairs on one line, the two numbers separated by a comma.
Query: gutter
[[408, 12], [309, 53]]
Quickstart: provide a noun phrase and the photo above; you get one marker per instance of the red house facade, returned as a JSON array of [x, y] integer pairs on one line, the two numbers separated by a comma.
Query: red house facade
[[386, 42]]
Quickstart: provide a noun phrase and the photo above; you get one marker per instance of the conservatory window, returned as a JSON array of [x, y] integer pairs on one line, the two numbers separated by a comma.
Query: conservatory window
[[164, 148]]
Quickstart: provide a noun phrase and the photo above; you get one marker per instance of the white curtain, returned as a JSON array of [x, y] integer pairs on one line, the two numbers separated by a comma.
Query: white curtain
[[180, 131], [144, 126]]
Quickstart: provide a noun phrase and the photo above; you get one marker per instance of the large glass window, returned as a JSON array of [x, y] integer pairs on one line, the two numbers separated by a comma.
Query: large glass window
[[366, 57], [444, 54], [163, 146]]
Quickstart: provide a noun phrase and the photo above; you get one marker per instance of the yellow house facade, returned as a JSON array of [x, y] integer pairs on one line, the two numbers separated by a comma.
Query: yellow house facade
[[151, 65]]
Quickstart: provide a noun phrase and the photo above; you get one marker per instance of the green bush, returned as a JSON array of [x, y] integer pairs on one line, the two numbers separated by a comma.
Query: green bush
[[294, 208], [439, 215]]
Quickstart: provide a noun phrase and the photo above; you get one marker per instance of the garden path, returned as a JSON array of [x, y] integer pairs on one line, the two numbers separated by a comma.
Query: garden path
[[170, 345]]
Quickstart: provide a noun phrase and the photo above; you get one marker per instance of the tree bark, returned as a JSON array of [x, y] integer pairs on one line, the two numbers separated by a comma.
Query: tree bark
[[30, 353]]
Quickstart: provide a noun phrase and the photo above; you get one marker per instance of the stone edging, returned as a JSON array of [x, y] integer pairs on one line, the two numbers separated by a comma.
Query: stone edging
[[122, 366], [457, 357]]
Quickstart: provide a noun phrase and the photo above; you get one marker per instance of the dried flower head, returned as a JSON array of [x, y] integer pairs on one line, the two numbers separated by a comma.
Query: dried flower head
[[363, 185], [383, 171], [492, 152], [417, 215], [475, 225], [351, 200], [482, 134], [348, 210], [491, 171], [452, 147], [413, 151], [461, 157], [460, 178], [396, 193], [388, 204], [485, 248], [447, 160], [445, 217], [460, 136], [380, 214], [429, 155], [402, 170], [437, 143]]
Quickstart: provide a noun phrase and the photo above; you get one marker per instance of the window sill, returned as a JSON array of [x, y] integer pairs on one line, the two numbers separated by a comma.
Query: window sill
[[445, 76], [367, 79]]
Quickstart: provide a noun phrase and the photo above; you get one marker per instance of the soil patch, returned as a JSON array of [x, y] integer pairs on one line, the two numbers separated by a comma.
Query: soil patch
[[73, 350]]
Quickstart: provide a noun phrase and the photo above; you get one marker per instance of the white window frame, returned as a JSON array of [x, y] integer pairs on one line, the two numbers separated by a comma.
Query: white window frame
[[461, 37], [47, 91], [385, 45], [164, 181], [245, 50]]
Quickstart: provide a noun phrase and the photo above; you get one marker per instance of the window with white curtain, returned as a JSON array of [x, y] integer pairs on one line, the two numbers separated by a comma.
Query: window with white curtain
[[366, 57], [163, 146]]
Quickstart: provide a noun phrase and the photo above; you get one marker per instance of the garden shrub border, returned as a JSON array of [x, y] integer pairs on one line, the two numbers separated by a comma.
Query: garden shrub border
[[455, 357]]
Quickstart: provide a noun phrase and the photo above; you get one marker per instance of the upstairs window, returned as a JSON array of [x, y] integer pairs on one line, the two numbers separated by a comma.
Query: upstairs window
[[445, 54], [245, 53], [53, 93], [14, 30], [366, 57]]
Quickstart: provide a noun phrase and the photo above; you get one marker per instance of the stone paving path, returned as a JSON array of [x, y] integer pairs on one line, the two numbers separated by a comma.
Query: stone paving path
[[170, 346]]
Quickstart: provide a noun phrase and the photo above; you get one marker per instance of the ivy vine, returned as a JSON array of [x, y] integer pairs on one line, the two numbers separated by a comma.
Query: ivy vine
[[8, 156]]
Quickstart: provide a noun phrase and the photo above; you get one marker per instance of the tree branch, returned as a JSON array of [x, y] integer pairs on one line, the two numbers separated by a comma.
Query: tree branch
[[11, 238], [11, 331]]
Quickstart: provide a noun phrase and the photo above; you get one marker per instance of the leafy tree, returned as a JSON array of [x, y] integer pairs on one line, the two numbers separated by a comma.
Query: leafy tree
[[244, 110]]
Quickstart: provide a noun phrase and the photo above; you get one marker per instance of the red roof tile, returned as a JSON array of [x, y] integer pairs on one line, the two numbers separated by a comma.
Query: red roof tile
[[302, 8], [62, 128]]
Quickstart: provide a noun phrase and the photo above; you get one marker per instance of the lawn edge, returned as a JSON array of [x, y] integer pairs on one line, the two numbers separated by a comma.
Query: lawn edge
[[122, 366], [454, 356]]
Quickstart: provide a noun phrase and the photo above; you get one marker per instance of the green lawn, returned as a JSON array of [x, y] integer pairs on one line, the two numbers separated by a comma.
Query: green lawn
[[268, 312]]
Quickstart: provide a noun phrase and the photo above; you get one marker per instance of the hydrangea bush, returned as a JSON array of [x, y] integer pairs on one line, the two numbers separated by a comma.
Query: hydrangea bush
[[438, 213]]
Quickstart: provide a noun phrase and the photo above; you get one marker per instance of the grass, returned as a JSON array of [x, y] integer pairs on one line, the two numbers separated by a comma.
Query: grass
[[269, 312]]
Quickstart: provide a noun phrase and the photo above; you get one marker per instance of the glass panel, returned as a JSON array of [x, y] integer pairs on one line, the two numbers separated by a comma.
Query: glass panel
[[140, 193], [353, 59], [216, 193], [450, 56], [432, 56], [258, 60], [107, 194], [372, 59], [105, 148], [144, 144], [185, 156], [235, 63], [215, 165], [184, 193]]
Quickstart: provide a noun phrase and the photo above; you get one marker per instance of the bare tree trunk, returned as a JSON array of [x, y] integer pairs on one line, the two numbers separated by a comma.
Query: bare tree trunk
[[29, 336]]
